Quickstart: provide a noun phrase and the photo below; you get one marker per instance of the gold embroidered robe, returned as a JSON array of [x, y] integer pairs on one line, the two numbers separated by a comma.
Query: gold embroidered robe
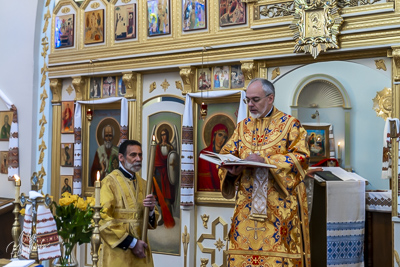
[[124, 217], [283, 239]]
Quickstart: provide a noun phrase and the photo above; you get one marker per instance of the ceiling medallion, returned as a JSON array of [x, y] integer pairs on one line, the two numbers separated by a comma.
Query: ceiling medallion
[[382, 103], [316, 26]]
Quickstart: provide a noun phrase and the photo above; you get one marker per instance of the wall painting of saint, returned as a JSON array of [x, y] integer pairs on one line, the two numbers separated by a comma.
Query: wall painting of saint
[[64, 31], [6, 118], [158, 17], [221, 77], [109, 86], [194, 14], [125, 22], [212, 134], [94, 27], [67, 155], [231, 12], [104, 142], [67, 117], [167, 129], [66, 184], [4, 162]]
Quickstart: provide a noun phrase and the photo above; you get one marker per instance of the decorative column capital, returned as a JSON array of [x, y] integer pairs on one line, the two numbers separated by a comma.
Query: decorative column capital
[[395, 54], [130, 81], [55, 87], [187, 74], [249, 69], [79, 83]]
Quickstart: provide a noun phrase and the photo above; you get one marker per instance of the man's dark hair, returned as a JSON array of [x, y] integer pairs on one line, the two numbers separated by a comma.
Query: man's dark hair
[[65, 180], [125, 144]]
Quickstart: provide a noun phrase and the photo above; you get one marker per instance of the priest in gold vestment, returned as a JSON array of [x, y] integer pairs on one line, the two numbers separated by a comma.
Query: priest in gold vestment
[[270, 221], [123, 198]]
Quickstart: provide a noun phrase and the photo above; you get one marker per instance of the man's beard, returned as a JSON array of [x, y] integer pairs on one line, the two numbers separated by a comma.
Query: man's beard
[[258, 115], [135, 167], [108, 144]]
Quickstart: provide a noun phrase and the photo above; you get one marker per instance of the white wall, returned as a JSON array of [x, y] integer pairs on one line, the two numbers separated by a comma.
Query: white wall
[[366, 130], [17, 80]]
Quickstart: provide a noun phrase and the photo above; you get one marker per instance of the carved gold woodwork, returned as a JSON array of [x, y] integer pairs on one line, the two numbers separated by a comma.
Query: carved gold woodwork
[[69, 90], [219, 244], [382, 103], [396, 256], [165, 85], [395, 54], [205, 218], [316, 26], [95, 5], [380, 64], [262, 70], [130, 81], [274, 10], [153, 86], [185, 242], [203, 262], [65, 10], [212, 236], [79, 85], [43, 120], [55, 87], [178, 85], [47, 16], [126, 1], [275, 73], [249, 71], [187, 74]]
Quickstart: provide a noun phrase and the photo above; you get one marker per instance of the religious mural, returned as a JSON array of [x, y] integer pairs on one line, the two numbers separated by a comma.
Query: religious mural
[[167, 129], [212, 135], [194, 14], [94, 27], [67, 119], [6, 118], [103, 145], [64, 31], [125, 22], [67, 155]]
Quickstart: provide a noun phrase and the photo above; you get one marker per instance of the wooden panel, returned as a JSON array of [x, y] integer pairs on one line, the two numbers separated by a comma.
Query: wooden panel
[[7, 220]]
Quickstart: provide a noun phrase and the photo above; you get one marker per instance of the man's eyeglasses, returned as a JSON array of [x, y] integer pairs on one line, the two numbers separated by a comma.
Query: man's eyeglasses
[[254, 99]]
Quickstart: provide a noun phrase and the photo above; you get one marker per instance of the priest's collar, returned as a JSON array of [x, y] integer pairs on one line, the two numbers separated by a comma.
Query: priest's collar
[[270, 112], [127, 174]]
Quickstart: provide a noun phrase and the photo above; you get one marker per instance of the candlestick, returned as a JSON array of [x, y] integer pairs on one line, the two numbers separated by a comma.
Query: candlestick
[[97, 190], [17, 187], [149, 188], [339, 152]]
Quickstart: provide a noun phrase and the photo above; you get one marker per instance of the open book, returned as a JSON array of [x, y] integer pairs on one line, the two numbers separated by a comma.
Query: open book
[[231, 160]]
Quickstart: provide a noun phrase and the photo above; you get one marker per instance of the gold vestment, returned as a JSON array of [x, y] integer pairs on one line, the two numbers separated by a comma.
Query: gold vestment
[[124, 216], [282, 239]]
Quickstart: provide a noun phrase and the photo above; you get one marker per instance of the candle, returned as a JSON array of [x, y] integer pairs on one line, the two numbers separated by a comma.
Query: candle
[[17, 187], [97, 190], [149, 188], [339, 152]]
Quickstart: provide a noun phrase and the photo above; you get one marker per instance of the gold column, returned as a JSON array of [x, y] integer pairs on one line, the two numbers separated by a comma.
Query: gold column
[[133, 85], [79, 84], [395, 54], [262, 70], [187, 74], [55, 87], [249, 69]]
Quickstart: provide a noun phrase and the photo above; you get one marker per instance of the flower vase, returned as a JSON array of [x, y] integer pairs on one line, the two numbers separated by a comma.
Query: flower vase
[[66, 260]]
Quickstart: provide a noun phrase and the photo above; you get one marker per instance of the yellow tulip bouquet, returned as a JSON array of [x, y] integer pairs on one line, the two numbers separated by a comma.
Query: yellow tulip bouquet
[[73, 216]]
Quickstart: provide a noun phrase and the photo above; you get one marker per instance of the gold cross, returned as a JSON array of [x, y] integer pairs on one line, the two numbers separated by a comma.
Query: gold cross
[[248, 228]]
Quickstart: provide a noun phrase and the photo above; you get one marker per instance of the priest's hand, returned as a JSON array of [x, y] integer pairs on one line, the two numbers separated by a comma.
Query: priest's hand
[[139, 250], [149, 201], [255, 157], [234, 170]]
